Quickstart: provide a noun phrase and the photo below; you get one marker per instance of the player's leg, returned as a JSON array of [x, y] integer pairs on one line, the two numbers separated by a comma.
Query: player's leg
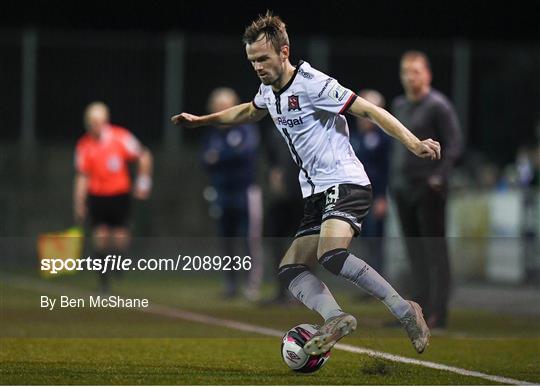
[[296, 276], [341, 222], [339, 325], [333, 255]]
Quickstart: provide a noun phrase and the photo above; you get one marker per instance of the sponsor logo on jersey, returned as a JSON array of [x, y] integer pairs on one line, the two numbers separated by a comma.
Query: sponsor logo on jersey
[[294, 102], [305, 74], [289, 121], [337, 92], [326, 83]]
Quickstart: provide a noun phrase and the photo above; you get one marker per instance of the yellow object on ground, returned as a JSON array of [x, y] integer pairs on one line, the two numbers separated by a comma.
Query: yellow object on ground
[[60, 245]]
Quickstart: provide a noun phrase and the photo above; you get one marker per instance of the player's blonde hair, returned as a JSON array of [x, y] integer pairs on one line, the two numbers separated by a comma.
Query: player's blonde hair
[[271, 27]]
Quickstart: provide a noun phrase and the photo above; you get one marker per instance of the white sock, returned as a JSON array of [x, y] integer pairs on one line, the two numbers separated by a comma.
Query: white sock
[[364, 276], [314, 294]]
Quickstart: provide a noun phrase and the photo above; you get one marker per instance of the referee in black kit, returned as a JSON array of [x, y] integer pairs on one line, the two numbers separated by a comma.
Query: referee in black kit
[[420, 187]]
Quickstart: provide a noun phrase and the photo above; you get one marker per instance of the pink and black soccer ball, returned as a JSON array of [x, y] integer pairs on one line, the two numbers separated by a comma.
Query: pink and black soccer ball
[[292, 350]]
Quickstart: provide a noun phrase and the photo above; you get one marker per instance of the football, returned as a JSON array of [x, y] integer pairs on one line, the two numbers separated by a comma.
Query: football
[[292, 349]]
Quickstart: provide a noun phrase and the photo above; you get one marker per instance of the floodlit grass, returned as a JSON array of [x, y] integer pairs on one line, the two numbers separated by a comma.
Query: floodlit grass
[[91, 346]]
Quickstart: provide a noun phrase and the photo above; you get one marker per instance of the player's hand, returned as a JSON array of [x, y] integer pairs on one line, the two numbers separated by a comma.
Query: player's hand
[[428, 149], [187, 120]]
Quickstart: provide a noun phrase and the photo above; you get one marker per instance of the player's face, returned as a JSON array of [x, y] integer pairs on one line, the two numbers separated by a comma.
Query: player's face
[[267, 63], [415, 75]]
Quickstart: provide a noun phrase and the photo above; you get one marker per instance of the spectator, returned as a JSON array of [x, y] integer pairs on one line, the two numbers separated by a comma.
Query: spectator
[[229, 156], [420, 186]]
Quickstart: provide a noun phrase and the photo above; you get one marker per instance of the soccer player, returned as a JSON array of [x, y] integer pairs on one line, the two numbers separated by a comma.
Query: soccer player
[[307, 108], [102, 183]]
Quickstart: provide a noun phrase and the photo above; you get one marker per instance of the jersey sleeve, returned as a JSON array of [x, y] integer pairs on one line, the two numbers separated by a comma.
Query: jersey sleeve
[[130, 144], [258, 100], [327, 94]]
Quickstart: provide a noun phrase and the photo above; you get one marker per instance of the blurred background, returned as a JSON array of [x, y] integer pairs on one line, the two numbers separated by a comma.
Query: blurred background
[[148, 62]]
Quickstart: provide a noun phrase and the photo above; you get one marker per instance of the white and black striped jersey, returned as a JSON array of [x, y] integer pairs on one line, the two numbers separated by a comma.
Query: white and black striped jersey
[[308, 112]]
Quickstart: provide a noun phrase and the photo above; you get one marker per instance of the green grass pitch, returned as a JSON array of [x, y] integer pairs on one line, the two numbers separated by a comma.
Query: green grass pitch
[[130, 347]]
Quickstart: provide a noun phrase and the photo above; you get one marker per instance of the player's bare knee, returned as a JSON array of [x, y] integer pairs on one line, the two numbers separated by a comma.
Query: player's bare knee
[[294, 255], [303, 250]]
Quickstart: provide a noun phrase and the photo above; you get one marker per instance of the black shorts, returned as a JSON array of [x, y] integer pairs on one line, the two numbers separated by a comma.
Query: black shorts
[[109, 210], [348, 202]]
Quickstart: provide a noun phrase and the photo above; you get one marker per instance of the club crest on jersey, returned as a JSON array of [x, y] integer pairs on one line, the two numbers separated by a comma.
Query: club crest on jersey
[[294, 102]]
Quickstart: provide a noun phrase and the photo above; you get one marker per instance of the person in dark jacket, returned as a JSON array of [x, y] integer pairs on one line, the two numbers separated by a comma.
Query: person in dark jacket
[[420, 187]]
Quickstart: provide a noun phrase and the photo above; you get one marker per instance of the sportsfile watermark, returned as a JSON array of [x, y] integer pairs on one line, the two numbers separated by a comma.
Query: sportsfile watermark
[[114, 262]]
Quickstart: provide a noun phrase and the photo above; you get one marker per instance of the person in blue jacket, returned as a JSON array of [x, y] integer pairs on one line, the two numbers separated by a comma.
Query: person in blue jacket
[[230, 158]]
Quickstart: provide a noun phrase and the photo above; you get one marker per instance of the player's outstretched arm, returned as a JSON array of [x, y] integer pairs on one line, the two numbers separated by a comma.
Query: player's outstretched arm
[[237, 115], [422, 148]]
